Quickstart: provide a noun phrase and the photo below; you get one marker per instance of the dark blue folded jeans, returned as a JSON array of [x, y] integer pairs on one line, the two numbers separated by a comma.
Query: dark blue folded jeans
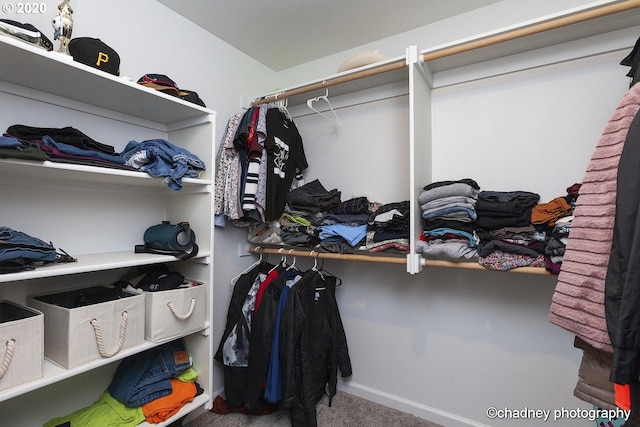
[[146, 376], [16, 244]]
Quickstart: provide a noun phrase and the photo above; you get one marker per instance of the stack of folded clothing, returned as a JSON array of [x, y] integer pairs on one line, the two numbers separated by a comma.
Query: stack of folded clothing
[[69, 145], [343, 228], [507, 237], [21, 252], [312, 197], [150, 386], [449, 216], [297, 230], [161, 158], [556, 244], [388, 228], [14, 148], [551, 219]]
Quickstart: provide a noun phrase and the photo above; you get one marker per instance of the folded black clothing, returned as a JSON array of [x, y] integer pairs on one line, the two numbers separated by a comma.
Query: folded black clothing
[[313, 197], [531, 249], [67, 135], [26, 151], [400, 216], [356, 205], [505, 202], [467, 181]]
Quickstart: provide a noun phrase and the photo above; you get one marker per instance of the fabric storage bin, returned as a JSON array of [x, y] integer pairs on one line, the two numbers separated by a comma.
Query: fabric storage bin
[[83, 325], [175, 312], [21, 344]]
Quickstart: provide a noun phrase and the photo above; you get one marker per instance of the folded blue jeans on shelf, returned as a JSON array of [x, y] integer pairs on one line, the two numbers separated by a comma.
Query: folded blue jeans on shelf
[[146, 376], [16, 244]]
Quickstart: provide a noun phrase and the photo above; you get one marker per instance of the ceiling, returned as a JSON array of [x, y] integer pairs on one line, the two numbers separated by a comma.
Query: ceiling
[[284, 33]]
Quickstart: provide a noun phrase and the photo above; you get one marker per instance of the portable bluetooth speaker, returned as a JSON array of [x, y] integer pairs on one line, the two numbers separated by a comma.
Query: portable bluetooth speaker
[[172, 239]]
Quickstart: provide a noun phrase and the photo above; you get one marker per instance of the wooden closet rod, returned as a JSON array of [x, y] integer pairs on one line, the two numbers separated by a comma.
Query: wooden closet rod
[[533, 29], [328, 255], [391, 66], [552, 24], [388, 259]]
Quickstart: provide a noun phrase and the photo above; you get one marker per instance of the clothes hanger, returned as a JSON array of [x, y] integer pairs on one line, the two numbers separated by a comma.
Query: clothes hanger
[[333, 117], [252, 266], [293, 264], [282, 106]]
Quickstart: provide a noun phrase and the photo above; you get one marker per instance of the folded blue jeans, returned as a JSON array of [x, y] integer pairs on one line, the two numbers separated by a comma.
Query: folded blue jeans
[[146, 376], [16, 244]]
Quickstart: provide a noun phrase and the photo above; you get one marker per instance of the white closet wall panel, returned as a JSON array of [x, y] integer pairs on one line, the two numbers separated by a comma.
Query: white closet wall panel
[[530, 130], [366, 155]]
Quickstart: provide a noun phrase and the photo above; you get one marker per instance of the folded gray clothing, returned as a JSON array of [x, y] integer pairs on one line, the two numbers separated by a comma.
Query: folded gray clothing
[[445, 202], [450, 249], [455, 189]]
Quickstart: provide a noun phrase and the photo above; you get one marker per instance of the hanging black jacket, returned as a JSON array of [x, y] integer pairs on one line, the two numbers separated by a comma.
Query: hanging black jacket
[[622, 283], [235, 376], [313, 346]]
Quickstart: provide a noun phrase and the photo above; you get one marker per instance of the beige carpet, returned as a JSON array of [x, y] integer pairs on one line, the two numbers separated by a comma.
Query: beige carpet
[[346, 410]]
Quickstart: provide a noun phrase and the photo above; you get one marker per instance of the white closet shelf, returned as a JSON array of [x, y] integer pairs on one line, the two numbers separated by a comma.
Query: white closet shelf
[[97, 262], [90, 174], [60, 75], [53, 373]]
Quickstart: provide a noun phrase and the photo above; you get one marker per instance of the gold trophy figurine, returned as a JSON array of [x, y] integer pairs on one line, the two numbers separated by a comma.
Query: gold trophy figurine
[[63, 26]]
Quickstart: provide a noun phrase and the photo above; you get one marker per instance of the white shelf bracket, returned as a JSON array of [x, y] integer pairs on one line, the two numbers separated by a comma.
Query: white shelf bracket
[[415, 262]]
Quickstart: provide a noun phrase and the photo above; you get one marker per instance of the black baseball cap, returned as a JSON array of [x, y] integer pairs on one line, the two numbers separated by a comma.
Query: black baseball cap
[[95, 53]]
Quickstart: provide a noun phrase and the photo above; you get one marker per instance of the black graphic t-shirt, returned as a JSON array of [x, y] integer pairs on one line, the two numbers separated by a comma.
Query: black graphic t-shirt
[[285, 158]]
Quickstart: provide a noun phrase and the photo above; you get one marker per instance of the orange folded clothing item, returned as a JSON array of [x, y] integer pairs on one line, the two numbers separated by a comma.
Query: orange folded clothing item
[[163, 408]]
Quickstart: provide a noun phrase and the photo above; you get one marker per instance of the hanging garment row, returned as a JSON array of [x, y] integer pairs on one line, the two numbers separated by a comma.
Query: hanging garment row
[[284, 341], [260, 158]]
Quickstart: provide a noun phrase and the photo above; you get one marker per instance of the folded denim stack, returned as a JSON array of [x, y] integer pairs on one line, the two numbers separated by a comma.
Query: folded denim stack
[[20, 251], [68, 145], [150, 386]]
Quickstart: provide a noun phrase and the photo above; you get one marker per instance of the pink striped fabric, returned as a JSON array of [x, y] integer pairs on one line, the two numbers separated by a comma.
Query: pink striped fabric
[[578, 301]]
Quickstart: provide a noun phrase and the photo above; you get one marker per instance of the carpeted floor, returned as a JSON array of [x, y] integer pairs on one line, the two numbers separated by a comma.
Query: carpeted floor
[[346, 410]]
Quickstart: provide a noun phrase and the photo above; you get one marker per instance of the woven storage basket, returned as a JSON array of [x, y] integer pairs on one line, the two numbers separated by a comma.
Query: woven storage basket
[[21, 344], [101, 327], [173, 313]]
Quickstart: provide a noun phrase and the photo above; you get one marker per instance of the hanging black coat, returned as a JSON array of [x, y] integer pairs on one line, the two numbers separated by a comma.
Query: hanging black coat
[[234, 376], [313, 346]]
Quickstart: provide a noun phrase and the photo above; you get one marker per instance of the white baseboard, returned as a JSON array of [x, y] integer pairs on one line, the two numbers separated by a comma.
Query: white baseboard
[[435, 415]]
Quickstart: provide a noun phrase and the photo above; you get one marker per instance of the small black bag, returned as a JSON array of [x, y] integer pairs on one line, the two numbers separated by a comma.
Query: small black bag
[[170, 239]]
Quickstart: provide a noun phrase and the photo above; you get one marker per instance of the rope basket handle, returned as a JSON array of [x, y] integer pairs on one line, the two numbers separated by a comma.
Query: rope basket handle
[[100, 342], [182, 316], [11, 344]]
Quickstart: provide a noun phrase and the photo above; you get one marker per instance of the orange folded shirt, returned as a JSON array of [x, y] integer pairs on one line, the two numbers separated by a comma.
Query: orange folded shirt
[[163, 408]]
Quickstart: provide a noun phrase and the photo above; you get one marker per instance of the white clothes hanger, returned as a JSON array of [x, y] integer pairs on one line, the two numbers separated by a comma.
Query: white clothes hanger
[[333, 117], [251, 267]]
